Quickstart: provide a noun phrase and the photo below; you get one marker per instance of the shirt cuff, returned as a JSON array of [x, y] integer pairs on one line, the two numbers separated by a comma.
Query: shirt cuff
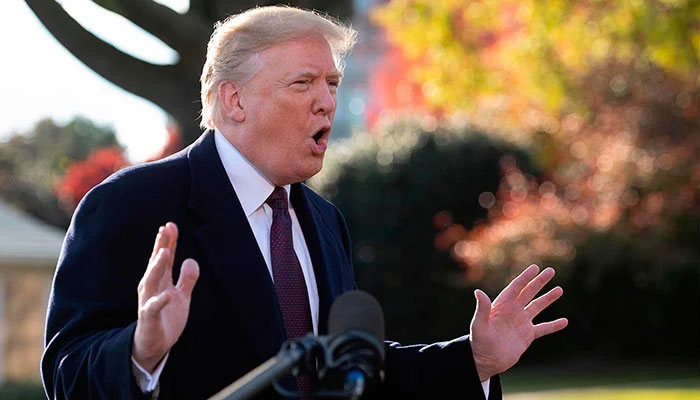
[[486, 385], [147, 382]]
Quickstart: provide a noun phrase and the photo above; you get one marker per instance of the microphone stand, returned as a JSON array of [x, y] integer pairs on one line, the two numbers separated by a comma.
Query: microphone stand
[[354, 352], [354, 355], [292, 354]]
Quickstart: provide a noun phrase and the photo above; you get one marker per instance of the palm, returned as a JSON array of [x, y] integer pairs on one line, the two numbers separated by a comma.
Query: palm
[[163, 307], [166, 328], [501, 331], [173, 318]]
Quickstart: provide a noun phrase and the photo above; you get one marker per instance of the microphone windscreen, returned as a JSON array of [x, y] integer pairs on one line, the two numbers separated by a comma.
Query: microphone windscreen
[[356, 310]]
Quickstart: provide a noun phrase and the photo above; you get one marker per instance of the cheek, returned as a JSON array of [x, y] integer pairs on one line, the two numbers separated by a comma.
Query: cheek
[[281, 122]]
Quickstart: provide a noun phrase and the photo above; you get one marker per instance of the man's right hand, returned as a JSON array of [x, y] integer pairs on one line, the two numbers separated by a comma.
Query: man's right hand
[[163, 307]]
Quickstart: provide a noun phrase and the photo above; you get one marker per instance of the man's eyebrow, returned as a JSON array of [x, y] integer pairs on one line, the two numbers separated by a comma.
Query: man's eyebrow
[[336, 74], [311, 75]]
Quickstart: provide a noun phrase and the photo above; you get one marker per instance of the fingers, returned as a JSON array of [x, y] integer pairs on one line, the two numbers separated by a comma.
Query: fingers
[[546, 328], [152, 279], [160, 242], [171, 229], [543, 301], [173, 233], [159, 271], [534, 286], [155, 304], [514, 288], [483, 307], [188, 277], [166, 238]]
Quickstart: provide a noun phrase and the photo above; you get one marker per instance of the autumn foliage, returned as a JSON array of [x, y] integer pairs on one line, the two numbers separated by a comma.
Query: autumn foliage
[[603, 95], [81, 176], [601, 100], [393, 90]]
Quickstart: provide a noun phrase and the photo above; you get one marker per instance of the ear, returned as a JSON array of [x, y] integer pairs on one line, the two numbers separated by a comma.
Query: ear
[[229, 100]]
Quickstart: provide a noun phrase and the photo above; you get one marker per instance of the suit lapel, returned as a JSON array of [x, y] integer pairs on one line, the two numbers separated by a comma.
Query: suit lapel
[[320, 247], [231, 248]]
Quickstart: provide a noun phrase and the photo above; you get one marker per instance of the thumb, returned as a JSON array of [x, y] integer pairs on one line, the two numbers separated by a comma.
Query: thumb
[[188, 277], [483, 307]]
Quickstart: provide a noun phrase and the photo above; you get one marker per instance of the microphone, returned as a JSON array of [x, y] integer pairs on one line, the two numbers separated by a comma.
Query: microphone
[[352, 354], [354, 348]]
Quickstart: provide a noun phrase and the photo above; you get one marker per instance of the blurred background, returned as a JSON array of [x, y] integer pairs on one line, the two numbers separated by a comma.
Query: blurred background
[[472, 138]]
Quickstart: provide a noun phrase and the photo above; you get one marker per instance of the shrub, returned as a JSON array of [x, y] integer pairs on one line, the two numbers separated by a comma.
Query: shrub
[[22, 391], [397, 191]]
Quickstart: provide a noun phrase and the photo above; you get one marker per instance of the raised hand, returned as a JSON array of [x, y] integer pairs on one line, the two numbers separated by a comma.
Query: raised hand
[[163, 307], [501, 332]]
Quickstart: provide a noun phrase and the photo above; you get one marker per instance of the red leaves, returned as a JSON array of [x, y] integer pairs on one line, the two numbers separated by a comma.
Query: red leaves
[[81, 176], [391, 88]]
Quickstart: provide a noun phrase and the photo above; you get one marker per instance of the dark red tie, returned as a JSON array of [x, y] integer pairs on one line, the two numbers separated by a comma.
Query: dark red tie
[[289, 279]]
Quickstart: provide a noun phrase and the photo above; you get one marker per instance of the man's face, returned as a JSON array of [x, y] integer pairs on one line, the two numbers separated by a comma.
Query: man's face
[[289, 107]]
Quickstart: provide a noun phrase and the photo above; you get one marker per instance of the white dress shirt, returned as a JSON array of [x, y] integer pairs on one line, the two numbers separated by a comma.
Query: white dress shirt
[[252, 189]]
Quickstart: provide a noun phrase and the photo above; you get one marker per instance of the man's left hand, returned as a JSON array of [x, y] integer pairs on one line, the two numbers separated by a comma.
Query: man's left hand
[[501, 331]]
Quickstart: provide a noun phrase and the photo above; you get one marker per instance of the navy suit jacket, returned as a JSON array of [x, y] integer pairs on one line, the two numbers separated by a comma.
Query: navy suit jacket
[[234, 322]]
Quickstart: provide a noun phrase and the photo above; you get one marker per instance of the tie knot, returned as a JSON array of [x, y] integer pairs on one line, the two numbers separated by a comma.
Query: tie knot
[[278, 199]]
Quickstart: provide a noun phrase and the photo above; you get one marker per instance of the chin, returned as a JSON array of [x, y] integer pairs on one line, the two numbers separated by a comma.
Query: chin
[[311, 170]]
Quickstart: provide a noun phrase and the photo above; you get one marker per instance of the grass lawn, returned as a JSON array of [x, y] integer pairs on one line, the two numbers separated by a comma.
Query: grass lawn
[[603, 382], [608, 394]]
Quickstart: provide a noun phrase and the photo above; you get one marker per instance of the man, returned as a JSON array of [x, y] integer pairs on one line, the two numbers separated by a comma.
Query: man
[[261, 256]]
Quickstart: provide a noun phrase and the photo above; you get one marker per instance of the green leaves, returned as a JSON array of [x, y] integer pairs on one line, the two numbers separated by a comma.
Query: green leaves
[[536, 54]]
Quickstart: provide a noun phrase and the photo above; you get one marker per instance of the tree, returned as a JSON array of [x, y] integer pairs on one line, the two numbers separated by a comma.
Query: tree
[[605, 97], [396, 190], [174, 88], [81, 176], [32, 162]]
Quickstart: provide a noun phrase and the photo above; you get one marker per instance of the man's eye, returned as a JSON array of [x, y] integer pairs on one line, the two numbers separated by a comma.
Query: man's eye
[[303, 82], [334, 83]]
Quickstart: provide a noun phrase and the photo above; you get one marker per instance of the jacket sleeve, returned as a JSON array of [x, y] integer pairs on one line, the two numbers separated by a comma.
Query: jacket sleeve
[[443, 370], [93, 304]]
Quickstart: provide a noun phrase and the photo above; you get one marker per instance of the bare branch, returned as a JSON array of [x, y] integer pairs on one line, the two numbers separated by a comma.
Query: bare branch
[[184, 33], [152, 82], [215, 10]]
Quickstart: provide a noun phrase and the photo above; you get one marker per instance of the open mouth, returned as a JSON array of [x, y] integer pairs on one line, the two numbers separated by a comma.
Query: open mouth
[[320, 140], [320, 134]]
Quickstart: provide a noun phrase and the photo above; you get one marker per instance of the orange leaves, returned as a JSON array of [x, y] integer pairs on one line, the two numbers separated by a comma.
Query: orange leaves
[[393, 89], [602, 95]]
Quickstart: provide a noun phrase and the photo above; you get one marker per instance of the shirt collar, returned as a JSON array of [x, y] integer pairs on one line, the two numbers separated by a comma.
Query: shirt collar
[[251, 186]]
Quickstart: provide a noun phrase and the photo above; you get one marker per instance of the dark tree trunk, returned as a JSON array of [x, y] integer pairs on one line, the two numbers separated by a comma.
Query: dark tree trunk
[[174, 88]]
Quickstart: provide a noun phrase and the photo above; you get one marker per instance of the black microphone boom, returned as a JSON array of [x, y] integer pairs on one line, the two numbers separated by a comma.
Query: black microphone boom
[[292, 354], [352, 354]]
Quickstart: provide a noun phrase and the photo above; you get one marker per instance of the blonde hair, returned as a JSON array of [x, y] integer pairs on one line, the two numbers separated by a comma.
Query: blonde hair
[[232, 52]]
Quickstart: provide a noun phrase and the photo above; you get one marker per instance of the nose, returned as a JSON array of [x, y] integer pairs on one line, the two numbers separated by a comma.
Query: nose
[[325, 101]]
